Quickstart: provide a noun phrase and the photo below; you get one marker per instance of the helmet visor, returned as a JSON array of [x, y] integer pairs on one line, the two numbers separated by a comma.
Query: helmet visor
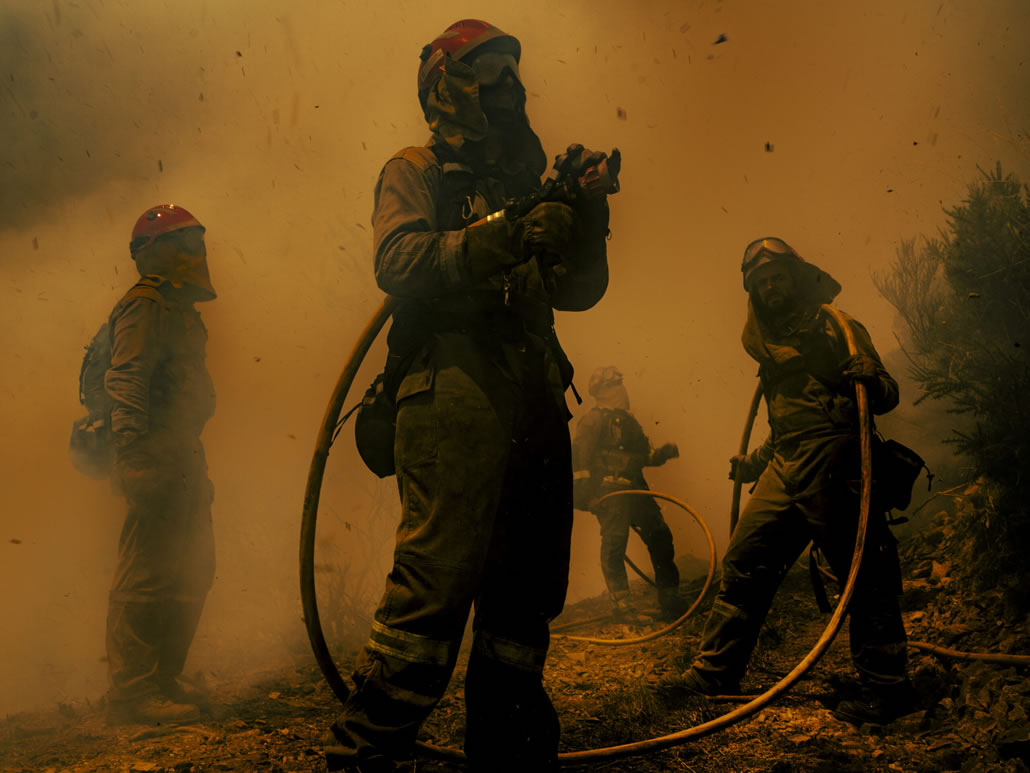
[[490, 66], [771, 247]]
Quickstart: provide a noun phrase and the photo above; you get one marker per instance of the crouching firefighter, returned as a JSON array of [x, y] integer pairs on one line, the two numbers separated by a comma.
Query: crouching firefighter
[[482, 449], [609, 455], [808, 484]]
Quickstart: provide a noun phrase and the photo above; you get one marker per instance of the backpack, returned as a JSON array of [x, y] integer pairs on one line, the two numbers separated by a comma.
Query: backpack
[[90, 445]]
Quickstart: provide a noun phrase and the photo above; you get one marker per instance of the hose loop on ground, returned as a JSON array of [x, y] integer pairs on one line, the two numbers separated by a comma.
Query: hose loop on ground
[[697, 602]]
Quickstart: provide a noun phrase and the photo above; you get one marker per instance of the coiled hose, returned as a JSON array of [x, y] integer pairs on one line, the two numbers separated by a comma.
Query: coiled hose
[[700, 596]]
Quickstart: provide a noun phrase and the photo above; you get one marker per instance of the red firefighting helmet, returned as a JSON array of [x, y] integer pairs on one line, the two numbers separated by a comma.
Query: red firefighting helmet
[[157, 221], [603, 378], [458, 41]]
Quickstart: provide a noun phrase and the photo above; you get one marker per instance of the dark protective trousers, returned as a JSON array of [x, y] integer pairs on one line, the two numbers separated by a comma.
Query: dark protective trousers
[[616, 517], [485, 476], [166, 564], [772, 532]]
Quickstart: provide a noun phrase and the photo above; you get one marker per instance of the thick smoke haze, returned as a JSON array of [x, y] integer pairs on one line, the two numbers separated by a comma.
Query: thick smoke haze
[[843, 128]]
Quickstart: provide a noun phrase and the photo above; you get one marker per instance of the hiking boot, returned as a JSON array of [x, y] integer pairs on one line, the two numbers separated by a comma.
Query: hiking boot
[[184, 690], [694, 682], [672, 604], [341, 758], [622, 612], [151, 710], [336, 762], [878, 705]]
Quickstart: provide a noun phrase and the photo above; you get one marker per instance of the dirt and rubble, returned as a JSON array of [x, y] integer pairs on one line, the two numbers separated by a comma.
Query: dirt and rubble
[[972, 716]]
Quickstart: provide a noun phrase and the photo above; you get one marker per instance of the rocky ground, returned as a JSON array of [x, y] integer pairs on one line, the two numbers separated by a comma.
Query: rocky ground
[[973, 716]]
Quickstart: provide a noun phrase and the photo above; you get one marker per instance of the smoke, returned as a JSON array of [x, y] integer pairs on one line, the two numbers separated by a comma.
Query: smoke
[[841, 129]]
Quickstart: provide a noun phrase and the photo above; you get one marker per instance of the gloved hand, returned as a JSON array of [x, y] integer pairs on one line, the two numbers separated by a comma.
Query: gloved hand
[[549, 231], [664, 453], [580, 159], [745, 466], [591, 206], [492, 246], [862, 368]]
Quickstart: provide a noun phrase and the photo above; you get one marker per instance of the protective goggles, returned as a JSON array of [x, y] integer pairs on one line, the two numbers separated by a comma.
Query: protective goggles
[[490, 66], [607, 377], [762, 251], [770, 247]]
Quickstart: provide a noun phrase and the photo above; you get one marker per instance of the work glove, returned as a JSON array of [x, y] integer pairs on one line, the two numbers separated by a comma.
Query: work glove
[[580, 159], [664, 453], [492, 247], [862, 368], [591, 212], [746, 466], [549, 232]]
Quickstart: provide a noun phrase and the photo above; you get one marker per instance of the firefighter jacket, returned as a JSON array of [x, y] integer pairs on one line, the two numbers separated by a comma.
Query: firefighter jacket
[[158, 380], [811, 407], [425, 199], [609, 453]]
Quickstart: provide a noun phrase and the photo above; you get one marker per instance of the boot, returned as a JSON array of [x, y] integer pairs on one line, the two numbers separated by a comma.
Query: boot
[[621, 610], [342, 758], [878, 704], [335, 761], [672, 604], [185, 690], [697, 684], [151, 710]]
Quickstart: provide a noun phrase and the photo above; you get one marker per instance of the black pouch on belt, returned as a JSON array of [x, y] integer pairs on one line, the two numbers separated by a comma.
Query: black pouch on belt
[[895, 469], [375, 427]]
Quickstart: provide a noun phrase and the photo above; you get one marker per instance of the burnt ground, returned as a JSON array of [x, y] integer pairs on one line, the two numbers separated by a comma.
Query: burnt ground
[[973, 716]]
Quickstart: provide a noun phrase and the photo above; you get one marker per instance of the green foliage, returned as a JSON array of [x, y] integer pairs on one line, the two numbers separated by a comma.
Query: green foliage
[[965, 299]]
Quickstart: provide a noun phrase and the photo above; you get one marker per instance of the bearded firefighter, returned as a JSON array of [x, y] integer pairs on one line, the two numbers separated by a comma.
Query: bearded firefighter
[[808, 484]]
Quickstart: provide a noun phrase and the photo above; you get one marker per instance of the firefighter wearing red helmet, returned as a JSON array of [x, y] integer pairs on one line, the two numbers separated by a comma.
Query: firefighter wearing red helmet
[[161, 396], [482, 449], [609, 454]]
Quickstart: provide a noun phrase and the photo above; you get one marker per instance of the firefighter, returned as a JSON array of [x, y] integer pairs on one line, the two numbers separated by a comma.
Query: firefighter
[[808, 485], [161, 395], [609, 454], [482, 449]]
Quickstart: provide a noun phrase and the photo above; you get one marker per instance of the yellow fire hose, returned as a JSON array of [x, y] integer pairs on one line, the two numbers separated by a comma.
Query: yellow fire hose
[[332, 674], [944, 652], [313, 492], [700, 597], [745, 441]]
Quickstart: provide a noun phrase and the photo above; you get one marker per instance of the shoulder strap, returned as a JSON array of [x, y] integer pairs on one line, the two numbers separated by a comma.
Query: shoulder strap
[[808, 362], [419, 155], [95, 350], [457, 182], [148, 287]]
